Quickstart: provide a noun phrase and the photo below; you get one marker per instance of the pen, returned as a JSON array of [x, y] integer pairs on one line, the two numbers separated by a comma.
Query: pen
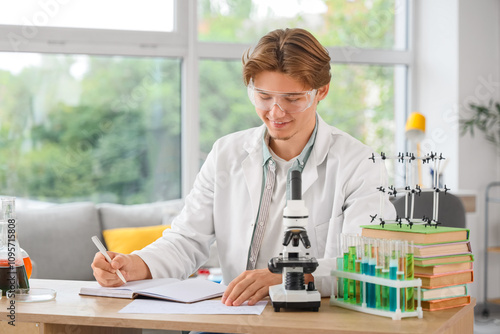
[[104, 252]]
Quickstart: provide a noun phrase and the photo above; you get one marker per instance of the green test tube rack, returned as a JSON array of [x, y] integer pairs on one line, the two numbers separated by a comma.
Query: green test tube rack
[[398, 314]]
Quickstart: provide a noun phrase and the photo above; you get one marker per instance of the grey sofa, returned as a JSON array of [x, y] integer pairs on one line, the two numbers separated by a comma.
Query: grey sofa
[[57, 237]]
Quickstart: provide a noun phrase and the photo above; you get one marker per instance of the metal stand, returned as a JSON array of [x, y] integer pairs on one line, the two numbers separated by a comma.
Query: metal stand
[[489, 199]]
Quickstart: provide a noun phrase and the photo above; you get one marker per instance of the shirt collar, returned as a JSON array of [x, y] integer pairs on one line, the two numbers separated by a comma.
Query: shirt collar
[[266, 154], [303, 156]]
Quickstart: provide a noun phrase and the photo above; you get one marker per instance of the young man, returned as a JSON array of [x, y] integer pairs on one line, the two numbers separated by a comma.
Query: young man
[[240, 193]]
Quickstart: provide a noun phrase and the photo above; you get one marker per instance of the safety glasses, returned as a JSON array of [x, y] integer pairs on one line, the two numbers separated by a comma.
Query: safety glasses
[[288, 102]]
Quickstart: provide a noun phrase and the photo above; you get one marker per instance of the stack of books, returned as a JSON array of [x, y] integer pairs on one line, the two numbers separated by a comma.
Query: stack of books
[[442, 260]]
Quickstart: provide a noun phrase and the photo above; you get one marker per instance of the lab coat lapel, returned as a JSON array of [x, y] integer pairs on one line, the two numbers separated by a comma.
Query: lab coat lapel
[[318, 155], [310, 173], [252, 170]]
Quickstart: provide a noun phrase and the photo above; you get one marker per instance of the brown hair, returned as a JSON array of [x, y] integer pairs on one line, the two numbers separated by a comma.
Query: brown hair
[[295, 52]]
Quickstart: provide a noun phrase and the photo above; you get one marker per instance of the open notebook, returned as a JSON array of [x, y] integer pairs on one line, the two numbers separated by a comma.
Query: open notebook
[[186, 291]]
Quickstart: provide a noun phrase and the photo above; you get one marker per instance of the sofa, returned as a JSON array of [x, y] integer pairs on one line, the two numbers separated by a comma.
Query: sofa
[[57, 237]]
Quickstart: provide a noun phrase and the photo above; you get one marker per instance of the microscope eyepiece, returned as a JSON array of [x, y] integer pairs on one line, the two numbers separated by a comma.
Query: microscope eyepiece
[[295, 185]]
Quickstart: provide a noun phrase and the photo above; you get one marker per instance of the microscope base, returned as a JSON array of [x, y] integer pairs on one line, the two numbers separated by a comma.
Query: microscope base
[[294, 299]]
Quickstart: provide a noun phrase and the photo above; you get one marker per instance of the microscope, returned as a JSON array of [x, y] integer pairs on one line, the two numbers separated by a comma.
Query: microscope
[[293, 263]]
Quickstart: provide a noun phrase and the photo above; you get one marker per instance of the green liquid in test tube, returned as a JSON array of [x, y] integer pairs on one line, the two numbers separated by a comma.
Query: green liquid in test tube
[[340, 281], [345, 252], [340, 266], [359, 256], [410, 292]]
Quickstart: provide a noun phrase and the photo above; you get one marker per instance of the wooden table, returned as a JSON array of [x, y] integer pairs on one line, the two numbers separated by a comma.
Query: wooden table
[[72, 313]]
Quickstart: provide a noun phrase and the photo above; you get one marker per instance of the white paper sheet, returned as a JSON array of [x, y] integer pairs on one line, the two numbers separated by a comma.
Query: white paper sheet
[[148, 306]]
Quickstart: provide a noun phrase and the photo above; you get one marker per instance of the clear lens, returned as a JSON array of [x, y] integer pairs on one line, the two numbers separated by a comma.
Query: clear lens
[[288, 102]]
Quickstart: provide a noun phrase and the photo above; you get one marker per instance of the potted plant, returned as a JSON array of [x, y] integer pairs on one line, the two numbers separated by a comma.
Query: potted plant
[[485, 119]]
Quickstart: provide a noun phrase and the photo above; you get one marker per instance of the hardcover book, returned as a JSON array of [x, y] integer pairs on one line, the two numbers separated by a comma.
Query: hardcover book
[[187, 291], [452, 248], [419, 234], [443, 293], [442, 280], [443, 268], [437, 260], [441, 304]]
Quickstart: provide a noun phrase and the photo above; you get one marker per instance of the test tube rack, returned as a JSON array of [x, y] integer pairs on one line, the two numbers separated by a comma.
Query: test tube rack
[[395, 315]]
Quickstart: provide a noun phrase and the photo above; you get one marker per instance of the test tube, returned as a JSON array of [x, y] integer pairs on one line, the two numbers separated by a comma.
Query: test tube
[[345, 252], [364, 265], [402, 272], [372, 263], [352, 266], [385, 273], [393, 274], [340, 266], [359, 257], [378, 272], [410, 292]]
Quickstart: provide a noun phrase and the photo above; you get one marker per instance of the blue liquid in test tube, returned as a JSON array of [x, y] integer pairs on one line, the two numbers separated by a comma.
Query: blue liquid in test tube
[[365, 267], [371, 269], [393, 274]]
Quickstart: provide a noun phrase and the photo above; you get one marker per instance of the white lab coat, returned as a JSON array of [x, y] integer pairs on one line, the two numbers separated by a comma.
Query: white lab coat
[[339, 185]]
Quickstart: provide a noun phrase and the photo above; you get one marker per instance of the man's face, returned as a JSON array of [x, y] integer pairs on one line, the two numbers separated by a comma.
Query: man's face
[[283, 125]]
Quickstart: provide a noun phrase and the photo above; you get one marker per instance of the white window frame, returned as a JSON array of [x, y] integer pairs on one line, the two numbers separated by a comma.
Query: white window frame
[[183, 43]]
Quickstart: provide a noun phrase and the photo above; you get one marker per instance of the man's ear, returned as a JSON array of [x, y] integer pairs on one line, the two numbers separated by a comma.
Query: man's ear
[[323, 92]]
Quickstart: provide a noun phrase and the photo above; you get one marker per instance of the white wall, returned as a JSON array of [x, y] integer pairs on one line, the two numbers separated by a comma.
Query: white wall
[[457, 61], [479, 62], [436, 77]]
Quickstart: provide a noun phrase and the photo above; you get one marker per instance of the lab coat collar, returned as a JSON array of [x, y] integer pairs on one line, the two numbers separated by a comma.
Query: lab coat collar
[[251, 164]]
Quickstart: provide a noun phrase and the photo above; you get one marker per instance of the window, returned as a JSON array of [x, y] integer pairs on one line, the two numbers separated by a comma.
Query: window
[[77, 127], [224, 104], [366, 40], [144, 15], [120, 101], [361, 23], [360, 102]]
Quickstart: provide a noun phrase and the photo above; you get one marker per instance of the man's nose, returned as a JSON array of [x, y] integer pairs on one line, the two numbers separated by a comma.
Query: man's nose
[[277, 111]]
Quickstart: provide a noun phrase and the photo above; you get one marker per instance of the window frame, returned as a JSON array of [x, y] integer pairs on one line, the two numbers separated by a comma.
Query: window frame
[[183, 43], [41, 39]]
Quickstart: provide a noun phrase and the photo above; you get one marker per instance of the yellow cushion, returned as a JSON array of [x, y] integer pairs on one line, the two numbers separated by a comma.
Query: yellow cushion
[[128, 239]]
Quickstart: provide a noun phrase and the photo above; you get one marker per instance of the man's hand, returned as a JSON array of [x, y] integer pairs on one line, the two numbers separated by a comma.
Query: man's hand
[[251, 285], [131, 266]]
